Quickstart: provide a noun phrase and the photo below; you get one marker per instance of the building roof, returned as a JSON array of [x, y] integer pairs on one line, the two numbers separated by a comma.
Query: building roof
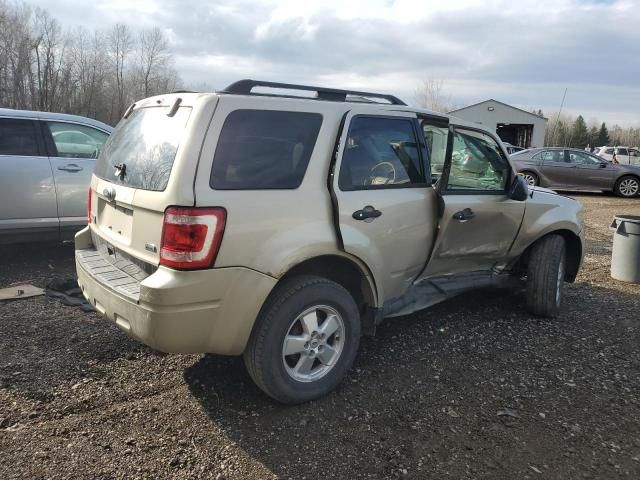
[[501, 103]]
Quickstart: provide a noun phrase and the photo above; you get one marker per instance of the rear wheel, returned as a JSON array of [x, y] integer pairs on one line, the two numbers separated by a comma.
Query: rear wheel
[[531, 178], [545, 276], [627, 186], [304, 341]]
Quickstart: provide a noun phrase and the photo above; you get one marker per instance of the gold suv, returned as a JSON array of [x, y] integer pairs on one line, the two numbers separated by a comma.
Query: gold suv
[[285, 224]]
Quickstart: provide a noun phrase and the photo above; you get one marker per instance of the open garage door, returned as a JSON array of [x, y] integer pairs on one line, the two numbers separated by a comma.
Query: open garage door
[[518, 134]]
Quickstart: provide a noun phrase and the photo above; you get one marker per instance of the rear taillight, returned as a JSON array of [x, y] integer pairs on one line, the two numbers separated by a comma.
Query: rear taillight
[[191, 237], [89, 206]]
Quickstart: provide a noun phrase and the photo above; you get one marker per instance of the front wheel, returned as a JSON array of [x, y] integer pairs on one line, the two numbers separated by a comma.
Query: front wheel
[[305, 340], [627, 186], [545, 276]]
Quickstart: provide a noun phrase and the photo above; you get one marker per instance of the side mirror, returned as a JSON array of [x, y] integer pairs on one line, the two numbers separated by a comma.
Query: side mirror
[[603, 164], [519, 189]]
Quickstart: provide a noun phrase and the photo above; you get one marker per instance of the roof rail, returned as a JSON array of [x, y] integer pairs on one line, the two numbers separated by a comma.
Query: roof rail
[[245, 87]]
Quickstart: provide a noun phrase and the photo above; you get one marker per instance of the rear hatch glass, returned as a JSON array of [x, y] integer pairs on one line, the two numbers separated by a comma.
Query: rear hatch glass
[[141, 150]]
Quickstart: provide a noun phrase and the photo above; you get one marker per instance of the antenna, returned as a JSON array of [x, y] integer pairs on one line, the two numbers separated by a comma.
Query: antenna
[[555, 126]]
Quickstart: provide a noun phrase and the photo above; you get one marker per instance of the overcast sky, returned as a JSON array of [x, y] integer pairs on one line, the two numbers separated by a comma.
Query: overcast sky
[[522, 52]]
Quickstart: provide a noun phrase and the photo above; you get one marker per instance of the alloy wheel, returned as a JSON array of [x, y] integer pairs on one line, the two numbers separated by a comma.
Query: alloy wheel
[[313, 343], [629, 187]]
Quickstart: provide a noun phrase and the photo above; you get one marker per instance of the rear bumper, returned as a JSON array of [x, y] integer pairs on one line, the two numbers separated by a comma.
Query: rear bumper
[[204, 311]]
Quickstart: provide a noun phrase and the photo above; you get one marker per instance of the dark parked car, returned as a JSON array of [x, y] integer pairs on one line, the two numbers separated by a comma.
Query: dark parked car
[[511, 149], [573, 169]]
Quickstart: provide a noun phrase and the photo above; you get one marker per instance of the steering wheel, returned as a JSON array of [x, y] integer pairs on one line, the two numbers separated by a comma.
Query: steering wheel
[[387, 174]]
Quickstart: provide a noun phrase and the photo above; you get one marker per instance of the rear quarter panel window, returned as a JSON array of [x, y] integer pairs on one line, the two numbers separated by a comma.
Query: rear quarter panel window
[[264, 149]]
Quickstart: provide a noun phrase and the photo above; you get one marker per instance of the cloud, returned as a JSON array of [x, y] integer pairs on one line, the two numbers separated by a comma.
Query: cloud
[[524, 53]]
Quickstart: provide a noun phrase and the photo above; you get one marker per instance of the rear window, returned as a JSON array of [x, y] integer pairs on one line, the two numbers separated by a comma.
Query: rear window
[[18, 137], [264, 149], [146, 143]]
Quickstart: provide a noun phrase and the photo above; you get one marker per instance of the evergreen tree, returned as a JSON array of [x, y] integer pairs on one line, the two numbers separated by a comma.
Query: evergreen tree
[[603, 136], [579, 133]]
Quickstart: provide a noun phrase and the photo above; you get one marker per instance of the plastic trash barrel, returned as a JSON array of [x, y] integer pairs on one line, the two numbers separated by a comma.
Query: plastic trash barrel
[[625, 256]]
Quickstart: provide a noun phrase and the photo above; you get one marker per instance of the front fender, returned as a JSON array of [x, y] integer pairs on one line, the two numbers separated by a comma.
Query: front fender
[[547, 213]]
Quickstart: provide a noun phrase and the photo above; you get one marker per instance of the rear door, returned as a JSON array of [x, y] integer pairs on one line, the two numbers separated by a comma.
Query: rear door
[[73, 150], [478, 221], [387, 209], [26, 181], [557, 169]]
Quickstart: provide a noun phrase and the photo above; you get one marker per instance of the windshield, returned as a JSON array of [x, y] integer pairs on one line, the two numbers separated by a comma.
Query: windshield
[[141, 151]]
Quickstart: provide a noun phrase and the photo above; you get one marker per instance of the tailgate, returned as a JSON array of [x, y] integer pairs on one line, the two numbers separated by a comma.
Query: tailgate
[[147, 165]]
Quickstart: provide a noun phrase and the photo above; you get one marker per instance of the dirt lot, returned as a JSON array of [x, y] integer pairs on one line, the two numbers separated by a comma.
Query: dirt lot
[[78, 399]]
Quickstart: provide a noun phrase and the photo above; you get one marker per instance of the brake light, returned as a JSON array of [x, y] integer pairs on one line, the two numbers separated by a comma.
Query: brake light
[[89, 206], [191, 237]]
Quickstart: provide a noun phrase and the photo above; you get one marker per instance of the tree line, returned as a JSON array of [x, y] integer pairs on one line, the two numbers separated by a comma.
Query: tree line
[[96, 73], [564, 130]]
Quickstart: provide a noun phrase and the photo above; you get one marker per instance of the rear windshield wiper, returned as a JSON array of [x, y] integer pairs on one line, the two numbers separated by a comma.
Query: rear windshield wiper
[[121, 170]]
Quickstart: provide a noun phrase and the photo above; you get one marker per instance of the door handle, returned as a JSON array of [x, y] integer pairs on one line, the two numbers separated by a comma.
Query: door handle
[[464, 215], [366, 212], [71, 167]]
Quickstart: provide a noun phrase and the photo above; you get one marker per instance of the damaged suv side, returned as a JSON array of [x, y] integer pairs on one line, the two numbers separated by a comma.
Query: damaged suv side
[[283, 228]]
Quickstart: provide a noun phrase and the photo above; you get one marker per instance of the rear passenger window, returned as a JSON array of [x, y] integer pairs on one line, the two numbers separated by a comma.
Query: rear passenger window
[[550, 156], [264, 149], [18, 137], [380, 153]]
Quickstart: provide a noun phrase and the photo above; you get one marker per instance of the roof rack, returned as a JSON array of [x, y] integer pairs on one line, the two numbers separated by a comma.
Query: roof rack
[[245, 87]]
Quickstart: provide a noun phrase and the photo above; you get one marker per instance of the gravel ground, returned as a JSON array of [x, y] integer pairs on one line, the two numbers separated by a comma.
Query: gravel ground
[[473, 388]]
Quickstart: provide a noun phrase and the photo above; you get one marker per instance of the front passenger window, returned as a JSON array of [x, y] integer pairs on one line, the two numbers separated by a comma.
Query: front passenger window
[[580, 158], [77, 141], [477, 163]]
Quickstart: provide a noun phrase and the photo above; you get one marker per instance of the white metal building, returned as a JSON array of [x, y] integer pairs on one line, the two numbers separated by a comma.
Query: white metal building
[[513, 125]]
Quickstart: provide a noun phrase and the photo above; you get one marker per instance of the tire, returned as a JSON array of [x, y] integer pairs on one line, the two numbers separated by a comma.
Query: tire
[[531, 178], [627, 186], [294, 378], [545, 276]]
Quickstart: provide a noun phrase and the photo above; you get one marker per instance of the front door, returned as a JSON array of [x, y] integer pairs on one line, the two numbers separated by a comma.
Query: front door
[[387, 208], [478, 221], [590, 172], [74, 151]]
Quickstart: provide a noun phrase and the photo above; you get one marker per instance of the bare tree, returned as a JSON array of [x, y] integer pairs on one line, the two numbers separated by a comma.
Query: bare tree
[[49, 46], [153, 56], [91, 73], [120, 42], [431, 95]]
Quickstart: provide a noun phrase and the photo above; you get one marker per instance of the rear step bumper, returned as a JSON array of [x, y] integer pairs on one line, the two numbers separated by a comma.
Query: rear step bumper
[[203, 311]]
